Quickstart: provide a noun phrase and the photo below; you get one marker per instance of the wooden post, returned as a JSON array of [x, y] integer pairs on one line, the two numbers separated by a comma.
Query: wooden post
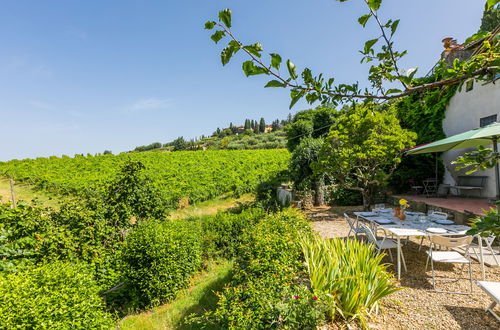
[[12, 193]]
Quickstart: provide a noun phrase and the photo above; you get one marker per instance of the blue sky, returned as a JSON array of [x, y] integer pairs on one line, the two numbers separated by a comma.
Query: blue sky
[[85, 76]]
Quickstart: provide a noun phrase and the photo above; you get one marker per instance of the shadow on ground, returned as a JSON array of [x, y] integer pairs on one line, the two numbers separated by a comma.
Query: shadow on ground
[[206, 303]]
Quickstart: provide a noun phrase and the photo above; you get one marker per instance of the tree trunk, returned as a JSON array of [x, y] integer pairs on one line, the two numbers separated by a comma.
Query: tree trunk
[[366, 199], [319, 194]]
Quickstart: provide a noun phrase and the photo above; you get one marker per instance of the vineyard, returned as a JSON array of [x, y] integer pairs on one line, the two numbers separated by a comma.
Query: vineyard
[[198, 175]]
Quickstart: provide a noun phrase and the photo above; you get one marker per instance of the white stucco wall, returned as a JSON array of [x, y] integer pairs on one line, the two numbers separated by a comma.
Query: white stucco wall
[[463, 114]]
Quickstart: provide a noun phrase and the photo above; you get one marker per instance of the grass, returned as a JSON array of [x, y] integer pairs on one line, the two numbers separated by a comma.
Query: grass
[[210, 207], [199, 297], [25, 193]]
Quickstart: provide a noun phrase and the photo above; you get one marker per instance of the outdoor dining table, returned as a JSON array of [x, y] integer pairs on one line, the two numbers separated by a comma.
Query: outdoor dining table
[[409, 228]]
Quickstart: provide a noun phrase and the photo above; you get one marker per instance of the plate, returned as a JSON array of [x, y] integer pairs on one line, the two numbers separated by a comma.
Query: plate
[[437, 230], [444, 222], [413, 213], [367, 214], [382, 221]]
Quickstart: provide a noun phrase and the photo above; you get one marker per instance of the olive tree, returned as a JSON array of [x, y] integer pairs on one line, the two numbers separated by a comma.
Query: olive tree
[[363, 148]]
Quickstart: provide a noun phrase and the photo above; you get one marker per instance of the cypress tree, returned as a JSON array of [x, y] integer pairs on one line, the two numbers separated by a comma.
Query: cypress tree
[[262, 125]]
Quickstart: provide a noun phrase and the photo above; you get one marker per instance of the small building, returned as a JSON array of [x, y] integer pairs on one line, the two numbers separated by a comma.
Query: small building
[[475, 104]]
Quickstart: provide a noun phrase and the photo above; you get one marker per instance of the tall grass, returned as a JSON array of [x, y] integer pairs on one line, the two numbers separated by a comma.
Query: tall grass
[[348, 275]]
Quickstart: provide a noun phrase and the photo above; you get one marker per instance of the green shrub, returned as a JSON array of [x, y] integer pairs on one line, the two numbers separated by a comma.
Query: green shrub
[[348, 275], [268, 262], [55, 295], [266, 192], [222, 232], [300, 309], [159, 258], [340, 196]]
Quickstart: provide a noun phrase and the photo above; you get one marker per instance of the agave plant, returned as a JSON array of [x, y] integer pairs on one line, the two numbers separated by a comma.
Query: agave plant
[[349, 275]]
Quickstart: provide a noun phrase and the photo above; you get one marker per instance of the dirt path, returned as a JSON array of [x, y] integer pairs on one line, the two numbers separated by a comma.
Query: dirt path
[[418, 306]]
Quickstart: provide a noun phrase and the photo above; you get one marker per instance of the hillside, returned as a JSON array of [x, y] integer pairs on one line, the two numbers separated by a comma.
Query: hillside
[[200, 175]]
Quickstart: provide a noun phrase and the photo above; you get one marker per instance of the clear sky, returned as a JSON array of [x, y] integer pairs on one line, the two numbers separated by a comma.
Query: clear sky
[[89, 75]]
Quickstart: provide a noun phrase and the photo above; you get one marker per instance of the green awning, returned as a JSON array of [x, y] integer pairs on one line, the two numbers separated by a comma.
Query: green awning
[[473, 138]]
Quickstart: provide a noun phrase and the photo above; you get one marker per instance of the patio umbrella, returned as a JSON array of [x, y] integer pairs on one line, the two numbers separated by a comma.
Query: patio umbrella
[[480, 136]]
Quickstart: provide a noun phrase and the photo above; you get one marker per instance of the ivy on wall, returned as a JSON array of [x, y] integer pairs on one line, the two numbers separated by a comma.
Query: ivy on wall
[[422, 114]]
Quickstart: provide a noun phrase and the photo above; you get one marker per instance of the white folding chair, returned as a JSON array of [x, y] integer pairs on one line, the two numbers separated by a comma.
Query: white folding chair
[[453, 257], [382, 244], [488, 243], [433, 216], [493, 290], [353, 226]]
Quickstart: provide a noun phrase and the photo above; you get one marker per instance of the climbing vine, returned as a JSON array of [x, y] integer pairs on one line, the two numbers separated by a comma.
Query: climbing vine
[[422, 113]]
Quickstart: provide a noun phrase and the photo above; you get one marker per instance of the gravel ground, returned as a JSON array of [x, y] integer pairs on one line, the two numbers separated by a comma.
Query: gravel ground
[[417, 306]]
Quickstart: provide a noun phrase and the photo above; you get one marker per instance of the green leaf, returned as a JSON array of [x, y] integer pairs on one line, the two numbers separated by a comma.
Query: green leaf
[[291, 69], [394, 26], [374, 4], [393, 91], [275, 83], [217, 36], [225, 17], [369, 44], [307, 75], [226, 54], [296, 96], [254, 49], [491, 3], [209, 25], [250, 69], [363, 19], [275, 61]]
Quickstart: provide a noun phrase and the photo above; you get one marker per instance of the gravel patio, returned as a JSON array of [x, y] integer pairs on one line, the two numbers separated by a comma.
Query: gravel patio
[[417, 306]]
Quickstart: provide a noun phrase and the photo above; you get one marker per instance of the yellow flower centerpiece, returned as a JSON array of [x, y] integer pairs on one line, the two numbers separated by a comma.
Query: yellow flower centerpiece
[[403, 203]]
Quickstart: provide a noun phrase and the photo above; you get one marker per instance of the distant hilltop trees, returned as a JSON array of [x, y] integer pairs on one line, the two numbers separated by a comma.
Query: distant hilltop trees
[[253, 134]]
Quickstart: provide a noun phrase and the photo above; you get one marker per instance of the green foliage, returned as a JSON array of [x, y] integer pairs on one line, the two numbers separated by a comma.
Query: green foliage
[[154, 145], [305, 154], [57, 295], [486, 225], [424, 115], [132, 194], [266, 192], [300, 309], [222, 233], [363, 148], [310, 123], [198, 175], [379, 51], [159, 258], [268, 263], [340, 196], [491, 16], [347, 275], [27, 235], [179, 144]]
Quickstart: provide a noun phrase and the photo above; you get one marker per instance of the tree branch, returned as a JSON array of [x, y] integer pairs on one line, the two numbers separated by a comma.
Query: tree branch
[[387, 41]]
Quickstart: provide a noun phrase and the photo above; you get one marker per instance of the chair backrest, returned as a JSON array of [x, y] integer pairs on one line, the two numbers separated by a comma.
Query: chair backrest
[[438, 215], [369, 233], [451, 242], [350, 221]]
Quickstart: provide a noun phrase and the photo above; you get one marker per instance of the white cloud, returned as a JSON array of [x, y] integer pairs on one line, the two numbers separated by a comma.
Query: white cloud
[[151, 103]]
